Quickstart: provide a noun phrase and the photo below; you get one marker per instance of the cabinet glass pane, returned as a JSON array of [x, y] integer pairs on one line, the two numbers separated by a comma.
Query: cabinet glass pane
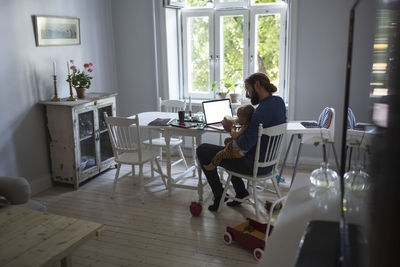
[[106, 151], [102, 122], [105, 145], [87, 140]]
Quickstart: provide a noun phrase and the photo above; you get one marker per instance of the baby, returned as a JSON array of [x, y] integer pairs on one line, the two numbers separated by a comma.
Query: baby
[[232, 150]]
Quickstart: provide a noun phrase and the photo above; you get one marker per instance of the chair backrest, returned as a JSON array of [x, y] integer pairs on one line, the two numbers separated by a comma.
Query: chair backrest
[[171, 105], [351, 119], [326, 117], [273, 148], [327, 120], [124, 134]]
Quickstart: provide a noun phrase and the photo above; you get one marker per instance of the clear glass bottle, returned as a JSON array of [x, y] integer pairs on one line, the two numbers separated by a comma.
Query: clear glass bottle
[[323, 176], [356, 179]]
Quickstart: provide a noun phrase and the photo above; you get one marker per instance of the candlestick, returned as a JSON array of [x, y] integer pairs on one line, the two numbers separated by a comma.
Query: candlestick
[[71, 95], [68, 67], [54, 69], [55, 98]]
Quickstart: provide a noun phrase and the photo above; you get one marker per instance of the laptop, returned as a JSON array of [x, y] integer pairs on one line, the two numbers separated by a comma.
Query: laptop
[[215, 111]]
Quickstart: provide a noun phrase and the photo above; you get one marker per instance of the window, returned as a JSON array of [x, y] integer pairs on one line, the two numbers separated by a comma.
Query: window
[[226, 40]]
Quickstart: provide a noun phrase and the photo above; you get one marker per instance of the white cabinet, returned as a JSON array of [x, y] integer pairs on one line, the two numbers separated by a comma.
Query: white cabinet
[[80, 147]]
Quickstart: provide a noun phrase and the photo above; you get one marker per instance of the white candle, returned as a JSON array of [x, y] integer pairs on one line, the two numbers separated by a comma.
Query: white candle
[[54, 68], [68, 67]]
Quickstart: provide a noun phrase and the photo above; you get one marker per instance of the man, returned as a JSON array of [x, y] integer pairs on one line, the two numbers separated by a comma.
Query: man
[[271, 111]]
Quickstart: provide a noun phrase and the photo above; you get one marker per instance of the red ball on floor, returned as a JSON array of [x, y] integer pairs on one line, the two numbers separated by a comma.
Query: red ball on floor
[[195, 208]]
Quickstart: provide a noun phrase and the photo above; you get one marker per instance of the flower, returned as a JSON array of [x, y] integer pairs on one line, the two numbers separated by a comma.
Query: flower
[[81, 78]]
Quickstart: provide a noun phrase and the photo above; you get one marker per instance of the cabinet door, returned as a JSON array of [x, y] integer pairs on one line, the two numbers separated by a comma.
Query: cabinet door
[[87, 142], [105, 148]]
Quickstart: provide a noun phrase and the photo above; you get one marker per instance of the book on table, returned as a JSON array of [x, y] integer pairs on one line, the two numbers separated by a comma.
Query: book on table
[[160, 122]]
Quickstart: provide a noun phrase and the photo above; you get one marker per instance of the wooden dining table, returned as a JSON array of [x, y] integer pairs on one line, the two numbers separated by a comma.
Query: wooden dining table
[[168, 131], [32, 238]]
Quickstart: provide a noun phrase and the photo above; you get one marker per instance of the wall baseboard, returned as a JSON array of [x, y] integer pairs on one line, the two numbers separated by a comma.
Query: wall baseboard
[[40, 184]]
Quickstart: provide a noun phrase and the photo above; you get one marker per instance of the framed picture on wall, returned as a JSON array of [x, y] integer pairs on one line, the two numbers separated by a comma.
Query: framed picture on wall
[[53, 30]]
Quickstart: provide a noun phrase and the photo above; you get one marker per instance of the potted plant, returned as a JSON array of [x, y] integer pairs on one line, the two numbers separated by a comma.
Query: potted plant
[[233, 88], [219, 91], [224, 88], [80, 79]]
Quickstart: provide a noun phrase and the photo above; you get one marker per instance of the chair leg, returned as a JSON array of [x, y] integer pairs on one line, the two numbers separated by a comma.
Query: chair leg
[[336, 158], [276, 186], [133, 170], [161, 173], [182, 156], [351, 152], [141, 182], [221, 202], [295, 165], [255, 199], [115, 179], [152, 168]]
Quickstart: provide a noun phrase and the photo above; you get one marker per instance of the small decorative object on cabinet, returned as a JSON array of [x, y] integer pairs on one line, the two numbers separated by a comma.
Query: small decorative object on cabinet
[[80, 147]]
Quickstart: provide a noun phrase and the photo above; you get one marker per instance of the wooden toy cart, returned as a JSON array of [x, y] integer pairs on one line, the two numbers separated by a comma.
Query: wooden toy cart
[[249, 234]]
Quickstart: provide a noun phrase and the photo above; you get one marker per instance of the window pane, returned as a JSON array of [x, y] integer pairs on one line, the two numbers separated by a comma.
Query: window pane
[[268, 31], [232, 50], [198, 55], [199, 3]]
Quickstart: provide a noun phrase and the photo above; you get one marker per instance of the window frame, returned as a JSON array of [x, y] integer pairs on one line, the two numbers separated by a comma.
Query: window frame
[[189, 13], [250, 12], [219, 37], [270, 9]]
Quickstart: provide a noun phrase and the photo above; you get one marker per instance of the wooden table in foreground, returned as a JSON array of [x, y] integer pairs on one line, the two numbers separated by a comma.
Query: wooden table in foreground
[[33, 238]]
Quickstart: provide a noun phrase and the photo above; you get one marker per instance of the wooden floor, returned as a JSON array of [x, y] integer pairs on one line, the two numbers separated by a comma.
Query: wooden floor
[[160, 232]]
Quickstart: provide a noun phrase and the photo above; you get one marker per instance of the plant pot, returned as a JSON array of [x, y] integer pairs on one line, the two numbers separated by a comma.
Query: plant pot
[[222, 95], [80, 92], [235, 98]]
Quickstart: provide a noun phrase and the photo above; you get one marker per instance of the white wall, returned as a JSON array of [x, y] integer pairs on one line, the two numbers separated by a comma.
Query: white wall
[[25, 75], [135, 55], [322, 34]]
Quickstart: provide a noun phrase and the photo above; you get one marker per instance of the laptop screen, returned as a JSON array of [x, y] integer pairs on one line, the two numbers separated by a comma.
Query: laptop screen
[[216, 110]]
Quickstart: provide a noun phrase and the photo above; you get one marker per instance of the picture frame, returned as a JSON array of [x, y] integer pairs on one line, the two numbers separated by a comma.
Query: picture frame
[[56, 30]]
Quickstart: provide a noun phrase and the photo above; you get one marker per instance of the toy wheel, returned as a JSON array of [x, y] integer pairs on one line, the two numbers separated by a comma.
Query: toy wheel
[[227, 238], [258, 253]]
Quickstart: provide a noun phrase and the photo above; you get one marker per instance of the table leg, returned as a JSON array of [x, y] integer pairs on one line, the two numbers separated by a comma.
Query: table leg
[[199, 170], [194, 155], [284, 160], [151, 163], [167, 136], [66, 262]]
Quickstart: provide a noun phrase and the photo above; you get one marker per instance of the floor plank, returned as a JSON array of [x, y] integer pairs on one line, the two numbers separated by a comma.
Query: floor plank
[[160, 232]]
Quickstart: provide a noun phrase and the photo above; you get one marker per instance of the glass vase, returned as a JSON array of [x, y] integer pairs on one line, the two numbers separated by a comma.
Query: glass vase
[[323, 176], [356, 179]]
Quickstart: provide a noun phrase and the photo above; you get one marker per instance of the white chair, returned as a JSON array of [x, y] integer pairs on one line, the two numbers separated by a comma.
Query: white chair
[[125, 141], [169, 106], [326, 122], [273, 150]]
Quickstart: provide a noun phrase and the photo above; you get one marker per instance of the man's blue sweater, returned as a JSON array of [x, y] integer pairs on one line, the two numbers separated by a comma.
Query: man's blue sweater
[[270, 112]]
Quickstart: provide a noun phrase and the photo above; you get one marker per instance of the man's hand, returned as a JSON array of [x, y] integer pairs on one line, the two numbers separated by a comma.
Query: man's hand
[[227, 124]]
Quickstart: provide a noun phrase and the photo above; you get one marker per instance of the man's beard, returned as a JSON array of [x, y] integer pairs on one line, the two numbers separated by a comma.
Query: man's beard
[[255, 99]]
